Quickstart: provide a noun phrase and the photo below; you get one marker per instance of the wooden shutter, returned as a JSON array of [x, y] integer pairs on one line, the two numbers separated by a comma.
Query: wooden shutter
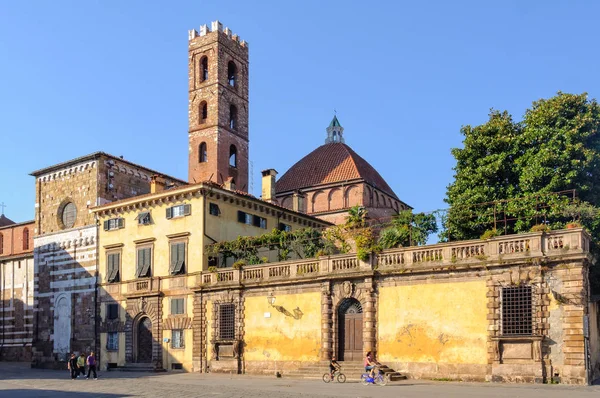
[[121, 222], [169, 213], [106, 225], [187, 210], [109, 266], [241, 217], [140, 262]]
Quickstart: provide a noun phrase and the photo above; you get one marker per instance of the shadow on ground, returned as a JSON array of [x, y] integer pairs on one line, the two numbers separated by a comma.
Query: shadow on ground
[[26, 393]]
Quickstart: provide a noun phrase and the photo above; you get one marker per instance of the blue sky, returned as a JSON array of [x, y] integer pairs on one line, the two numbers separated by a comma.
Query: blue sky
[[83, 76]]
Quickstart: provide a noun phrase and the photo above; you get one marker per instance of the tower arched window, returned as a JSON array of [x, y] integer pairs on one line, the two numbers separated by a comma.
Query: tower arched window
[[202, 156], [26, 239], [1, 244], [232, 117], [233, 156], [231, 73], [203, 111], [204, 68]]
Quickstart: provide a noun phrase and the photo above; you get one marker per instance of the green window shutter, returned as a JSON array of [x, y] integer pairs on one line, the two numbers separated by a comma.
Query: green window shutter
[[187, 210], [121, 223], [109, 266], [140, 262], [173, 259], [241, 217], [106, 225], [169, 213]]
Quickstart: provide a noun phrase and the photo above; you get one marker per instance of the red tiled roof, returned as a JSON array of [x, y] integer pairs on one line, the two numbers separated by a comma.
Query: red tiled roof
[[331, 163]]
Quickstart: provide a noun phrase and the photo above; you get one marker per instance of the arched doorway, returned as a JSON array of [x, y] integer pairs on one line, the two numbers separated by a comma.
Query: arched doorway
[[350, 330], [144, 341]]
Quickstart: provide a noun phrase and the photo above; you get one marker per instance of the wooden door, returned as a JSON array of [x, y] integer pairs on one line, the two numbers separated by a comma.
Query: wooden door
[[144, 346], [350, 332]]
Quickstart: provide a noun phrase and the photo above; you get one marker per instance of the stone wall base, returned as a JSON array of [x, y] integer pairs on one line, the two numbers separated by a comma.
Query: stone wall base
[[447, 371], [15, 354], [272, 367]]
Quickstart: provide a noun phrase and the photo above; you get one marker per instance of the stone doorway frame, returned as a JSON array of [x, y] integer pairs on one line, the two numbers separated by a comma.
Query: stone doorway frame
[[333, 293]]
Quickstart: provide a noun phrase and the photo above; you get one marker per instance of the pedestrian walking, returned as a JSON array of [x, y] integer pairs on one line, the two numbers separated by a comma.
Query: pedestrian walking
[[91, 363], [81, 365], [72, 366]]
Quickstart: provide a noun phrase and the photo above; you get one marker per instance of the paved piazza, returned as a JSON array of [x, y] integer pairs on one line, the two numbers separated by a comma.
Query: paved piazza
[[19, 381]]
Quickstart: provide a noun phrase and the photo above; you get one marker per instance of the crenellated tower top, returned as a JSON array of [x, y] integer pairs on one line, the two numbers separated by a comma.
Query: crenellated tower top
[[216, 26]]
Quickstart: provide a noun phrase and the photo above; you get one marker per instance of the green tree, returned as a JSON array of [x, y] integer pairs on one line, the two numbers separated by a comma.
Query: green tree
[[408, 229], [485, 171]]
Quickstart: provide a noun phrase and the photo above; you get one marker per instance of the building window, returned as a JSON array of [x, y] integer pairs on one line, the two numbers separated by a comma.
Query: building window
[[177, 306], [113, 263], [177, 258], [250, 219], [112, 341], [232, 156], [26, 239], [517, 311], [179, 211], [177, 338], [1, 244], [144, 218], [204, 69], [285, 227], [114, 223], [231, 73], [232, 117], [203, 111], [202, 156], [144, 262], [227, 321], [259, 222], [112, 311], [68, 215], [213, 209]]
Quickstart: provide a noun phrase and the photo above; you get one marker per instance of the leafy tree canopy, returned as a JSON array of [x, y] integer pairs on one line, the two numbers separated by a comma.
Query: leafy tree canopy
[[555, 147]]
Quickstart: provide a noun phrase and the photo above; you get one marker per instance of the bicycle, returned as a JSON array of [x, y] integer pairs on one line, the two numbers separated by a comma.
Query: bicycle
[[380, 379], [337, 375]]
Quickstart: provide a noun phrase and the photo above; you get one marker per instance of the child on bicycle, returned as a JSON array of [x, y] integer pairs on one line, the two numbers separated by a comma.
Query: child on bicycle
[[333, 366]]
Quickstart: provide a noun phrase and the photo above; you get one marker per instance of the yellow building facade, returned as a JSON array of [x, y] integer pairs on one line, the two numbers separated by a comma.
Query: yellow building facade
[[151, 256]]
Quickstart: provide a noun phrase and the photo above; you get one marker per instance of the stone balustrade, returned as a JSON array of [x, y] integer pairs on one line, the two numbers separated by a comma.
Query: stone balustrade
[[441, 256], [415, 259]]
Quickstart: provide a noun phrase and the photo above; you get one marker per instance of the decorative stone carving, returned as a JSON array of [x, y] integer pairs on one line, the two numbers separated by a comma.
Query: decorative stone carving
[[347, 289]]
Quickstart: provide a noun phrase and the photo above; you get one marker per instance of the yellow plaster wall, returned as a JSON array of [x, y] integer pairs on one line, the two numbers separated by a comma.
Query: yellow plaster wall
[[159, 230], [281, 337], [437, 323], [178, 355]]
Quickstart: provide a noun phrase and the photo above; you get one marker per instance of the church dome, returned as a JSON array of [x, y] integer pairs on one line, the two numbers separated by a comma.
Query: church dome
[[334, 162]]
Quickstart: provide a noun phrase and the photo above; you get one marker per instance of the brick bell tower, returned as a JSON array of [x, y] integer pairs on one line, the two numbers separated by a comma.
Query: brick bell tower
[[218, 107]]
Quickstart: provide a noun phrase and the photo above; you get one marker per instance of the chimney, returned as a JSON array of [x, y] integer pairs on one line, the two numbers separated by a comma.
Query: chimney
[[299, 202], [229, 184], [268, 184], [157, 183]]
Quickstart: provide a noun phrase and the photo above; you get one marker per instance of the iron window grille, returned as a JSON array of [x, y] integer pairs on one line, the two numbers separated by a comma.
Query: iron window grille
[[112, 341], [517, 311], [227, 321], [112, 311], [177, 338]]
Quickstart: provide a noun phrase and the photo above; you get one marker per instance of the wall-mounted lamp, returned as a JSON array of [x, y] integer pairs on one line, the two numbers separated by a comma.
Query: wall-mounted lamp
[[271, 299]]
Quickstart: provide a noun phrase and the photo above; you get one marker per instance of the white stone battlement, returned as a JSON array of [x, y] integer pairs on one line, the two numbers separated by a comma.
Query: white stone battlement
[[216, 26]]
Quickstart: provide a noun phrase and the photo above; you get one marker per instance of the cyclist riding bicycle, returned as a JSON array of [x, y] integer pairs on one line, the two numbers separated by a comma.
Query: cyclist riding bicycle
[[333, 366], [370, 364]]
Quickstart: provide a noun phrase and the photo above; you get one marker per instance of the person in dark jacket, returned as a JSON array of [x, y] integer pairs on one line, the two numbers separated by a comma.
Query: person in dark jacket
[[72, 366], [91, 363]]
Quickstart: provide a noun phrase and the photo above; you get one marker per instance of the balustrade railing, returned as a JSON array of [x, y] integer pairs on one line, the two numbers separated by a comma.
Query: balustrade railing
[[414, 258]]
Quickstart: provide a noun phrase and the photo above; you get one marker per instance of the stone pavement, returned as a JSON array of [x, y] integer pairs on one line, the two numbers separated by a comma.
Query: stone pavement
[[22, 382]]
